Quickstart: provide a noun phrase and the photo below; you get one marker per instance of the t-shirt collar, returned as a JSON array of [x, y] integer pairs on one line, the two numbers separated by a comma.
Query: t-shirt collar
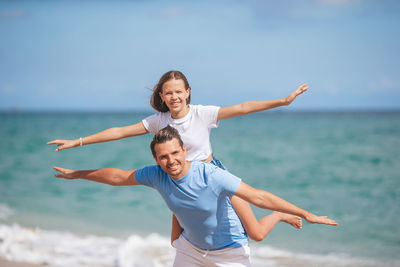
[[181, 180], [181, 120]]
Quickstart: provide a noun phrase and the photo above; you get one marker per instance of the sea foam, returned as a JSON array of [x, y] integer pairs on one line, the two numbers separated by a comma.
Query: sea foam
[[5, 212], [56, 248]]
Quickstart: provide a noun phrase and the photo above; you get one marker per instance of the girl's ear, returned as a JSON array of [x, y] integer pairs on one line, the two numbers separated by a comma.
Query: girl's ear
[[161, 96], [188, 92]]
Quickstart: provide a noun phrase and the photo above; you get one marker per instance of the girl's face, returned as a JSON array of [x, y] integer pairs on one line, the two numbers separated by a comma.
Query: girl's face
[[174, 95]]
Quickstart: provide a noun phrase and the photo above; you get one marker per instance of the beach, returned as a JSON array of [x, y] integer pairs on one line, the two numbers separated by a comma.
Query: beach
[[343, 165], [6, 263]]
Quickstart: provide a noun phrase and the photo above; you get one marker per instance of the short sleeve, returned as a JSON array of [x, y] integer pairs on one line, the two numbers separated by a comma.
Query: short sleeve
[[151, 123], [209, 114], [225, 183], [147, 175]]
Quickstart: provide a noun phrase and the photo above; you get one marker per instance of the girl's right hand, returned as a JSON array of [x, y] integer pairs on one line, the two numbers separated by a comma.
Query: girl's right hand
[[64, 144]]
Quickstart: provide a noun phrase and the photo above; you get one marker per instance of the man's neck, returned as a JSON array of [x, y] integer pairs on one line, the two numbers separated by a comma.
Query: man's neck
[[185, 171]]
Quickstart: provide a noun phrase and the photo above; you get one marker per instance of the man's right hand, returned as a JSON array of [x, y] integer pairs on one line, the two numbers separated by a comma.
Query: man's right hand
[[64, 144], [64, 173]]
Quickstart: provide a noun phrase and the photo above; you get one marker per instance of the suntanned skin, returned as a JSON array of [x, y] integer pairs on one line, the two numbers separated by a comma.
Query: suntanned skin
[[171, 158], [174, 94]]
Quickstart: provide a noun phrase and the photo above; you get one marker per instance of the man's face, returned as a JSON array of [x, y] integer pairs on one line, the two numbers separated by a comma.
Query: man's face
[[171, 158]]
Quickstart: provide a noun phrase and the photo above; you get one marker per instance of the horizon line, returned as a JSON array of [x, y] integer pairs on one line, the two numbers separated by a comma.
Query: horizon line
[[71, 111]]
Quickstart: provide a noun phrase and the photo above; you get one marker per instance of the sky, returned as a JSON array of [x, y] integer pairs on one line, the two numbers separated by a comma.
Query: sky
[[107, 55]]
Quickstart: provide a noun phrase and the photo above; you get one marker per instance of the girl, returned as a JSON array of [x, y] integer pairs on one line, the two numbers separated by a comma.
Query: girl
[[171, 98]]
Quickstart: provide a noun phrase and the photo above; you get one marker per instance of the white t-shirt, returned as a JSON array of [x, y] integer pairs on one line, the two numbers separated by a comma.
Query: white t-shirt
[[194, 128]]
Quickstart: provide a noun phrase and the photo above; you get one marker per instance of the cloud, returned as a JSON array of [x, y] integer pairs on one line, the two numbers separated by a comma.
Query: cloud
[[384, 84], [172, 12], [7, 89], [12, 13], [331, 89], [337, 2]]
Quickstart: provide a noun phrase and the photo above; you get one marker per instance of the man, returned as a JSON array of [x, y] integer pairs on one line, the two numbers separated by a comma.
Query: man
[[198, 194]]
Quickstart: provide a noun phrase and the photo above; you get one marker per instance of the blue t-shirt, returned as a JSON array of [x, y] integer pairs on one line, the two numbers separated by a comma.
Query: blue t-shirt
[[200, 201]]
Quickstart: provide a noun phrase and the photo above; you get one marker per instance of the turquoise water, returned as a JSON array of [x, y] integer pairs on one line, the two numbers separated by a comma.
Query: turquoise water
[[344, 165]]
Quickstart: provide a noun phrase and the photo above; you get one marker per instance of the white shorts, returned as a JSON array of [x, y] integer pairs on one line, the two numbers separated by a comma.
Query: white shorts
[[188, 255]]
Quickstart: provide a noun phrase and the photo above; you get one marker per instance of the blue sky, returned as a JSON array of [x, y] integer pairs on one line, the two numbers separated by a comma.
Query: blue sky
[[107, 55]]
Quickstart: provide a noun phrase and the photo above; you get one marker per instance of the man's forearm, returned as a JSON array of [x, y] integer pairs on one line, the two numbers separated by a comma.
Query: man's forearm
[[109, 176], [273, 202], [104, 176], [266, 200]]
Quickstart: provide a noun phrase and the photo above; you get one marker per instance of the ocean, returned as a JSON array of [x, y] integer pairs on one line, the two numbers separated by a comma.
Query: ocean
[[345, 165]]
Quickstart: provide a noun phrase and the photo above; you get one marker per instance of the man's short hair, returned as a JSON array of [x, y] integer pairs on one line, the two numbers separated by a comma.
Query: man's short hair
[[166, 134]]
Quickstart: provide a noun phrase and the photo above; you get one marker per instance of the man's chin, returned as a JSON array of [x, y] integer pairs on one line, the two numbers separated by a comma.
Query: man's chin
[[174, 173]]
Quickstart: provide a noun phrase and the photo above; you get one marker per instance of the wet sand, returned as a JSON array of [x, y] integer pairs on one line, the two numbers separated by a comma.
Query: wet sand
[[6, 263]]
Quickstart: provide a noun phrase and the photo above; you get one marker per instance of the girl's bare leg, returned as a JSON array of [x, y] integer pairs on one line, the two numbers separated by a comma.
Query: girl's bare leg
[[259, 229], [176, 230]]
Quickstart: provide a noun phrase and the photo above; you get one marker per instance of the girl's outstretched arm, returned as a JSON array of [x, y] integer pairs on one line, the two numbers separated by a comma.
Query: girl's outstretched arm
[[110, 134], [256, 106]]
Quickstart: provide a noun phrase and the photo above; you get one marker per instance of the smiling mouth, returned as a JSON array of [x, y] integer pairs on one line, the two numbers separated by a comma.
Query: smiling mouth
[[173, 167]]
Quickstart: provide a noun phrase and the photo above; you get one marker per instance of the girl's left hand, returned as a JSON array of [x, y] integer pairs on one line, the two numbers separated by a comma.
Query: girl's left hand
[[301, 89]]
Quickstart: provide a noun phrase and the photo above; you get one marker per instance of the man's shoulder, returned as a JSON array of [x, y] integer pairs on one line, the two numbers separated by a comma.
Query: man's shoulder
[[151, 167], [197, 164], [205, 168], [149, 172]]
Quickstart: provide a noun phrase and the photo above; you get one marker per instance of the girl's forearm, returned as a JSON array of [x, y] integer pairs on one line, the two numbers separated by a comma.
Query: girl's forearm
[[104, 136], [257, 106], [115, 133]]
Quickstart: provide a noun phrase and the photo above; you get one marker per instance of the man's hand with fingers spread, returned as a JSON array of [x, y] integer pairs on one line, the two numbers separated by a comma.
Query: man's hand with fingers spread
[[312, 218]]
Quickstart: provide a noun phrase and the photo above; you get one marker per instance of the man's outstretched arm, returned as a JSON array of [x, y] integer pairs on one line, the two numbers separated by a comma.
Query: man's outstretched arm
[[266, 200], [111, 176]]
